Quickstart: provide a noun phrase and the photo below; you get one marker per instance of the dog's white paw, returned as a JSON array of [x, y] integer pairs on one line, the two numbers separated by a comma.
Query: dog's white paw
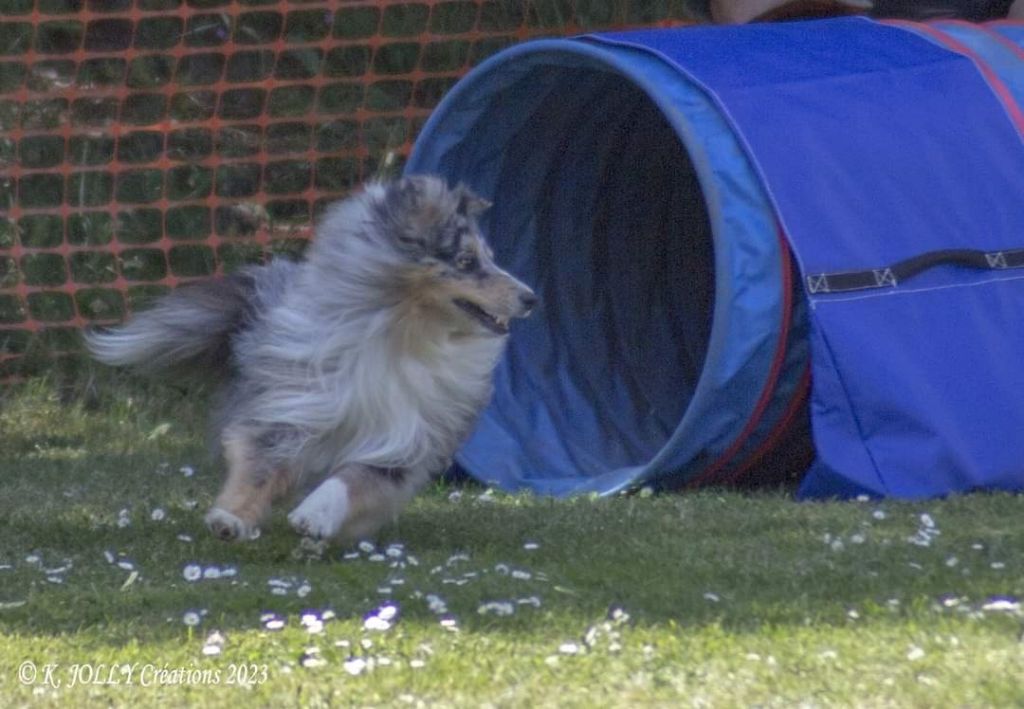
[[229, 527], [323, 511]]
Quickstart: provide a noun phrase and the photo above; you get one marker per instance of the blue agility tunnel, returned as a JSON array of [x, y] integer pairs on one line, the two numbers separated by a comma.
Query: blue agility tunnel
[[748, 239]]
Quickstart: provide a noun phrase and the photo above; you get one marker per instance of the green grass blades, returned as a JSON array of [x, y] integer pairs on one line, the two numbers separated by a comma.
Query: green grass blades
[[113, 594]]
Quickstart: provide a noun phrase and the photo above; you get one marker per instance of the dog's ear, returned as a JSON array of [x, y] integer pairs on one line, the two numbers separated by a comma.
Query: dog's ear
[[470, 204], [408, 213], [403, 194], [398, 203]]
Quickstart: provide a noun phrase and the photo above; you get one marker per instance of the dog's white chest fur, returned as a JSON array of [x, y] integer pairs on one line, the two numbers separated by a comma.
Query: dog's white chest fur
[[412, 410], [365, 394]]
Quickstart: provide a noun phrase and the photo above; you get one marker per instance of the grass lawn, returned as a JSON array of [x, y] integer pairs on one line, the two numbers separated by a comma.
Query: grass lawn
[[472, 598]]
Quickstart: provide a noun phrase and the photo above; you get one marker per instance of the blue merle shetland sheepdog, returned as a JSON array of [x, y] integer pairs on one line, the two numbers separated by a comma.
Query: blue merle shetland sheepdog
[[356, 372]]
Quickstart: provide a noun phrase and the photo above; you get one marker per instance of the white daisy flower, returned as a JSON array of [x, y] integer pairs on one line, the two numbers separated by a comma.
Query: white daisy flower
[[354, 665]]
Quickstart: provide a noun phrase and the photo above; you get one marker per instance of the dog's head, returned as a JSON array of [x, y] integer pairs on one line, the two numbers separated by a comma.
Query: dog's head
[[446, 264]]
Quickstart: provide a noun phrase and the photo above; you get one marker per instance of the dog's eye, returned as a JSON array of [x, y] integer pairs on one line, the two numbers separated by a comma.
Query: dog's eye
[[466, 262]]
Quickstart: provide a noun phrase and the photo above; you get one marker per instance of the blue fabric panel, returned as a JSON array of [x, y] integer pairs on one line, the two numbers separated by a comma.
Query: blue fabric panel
[[867, 138], [937, 398], [850, 122], [998, 52]]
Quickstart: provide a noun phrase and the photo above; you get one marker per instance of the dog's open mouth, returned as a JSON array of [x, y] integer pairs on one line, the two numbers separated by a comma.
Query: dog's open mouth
[[495, 325]]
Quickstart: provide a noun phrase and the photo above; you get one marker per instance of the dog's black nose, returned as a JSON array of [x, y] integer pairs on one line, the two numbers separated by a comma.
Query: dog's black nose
[[528, 300]]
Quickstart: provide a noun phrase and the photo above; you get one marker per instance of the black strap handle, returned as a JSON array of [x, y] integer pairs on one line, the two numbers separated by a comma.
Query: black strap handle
[[892, 276]]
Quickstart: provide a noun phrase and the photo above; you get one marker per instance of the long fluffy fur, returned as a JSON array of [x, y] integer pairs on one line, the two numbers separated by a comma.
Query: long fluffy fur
[[192, 328], [340, 360]]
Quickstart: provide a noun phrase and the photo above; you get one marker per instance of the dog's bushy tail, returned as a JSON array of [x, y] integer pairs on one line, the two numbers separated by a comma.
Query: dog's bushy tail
[[186, 329]]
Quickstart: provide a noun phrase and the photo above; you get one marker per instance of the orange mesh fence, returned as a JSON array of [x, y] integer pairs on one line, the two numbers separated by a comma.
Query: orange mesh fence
[[144, 143]]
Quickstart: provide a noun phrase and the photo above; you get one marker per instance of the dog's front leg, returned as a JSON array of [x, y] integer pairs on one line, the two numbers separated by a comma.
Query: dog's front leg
[[354, 502], [249, 489]]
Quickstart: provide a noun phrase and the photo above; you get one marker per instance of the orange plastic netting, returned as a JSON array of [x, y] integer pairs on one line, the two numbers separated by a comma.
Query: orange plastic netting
[[148, 142]]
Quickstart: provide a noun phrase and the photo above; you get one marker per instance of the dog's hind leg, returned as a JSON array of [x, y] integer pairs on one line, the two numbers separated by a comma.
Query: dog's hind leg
[[249, 489], [354, 502]]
